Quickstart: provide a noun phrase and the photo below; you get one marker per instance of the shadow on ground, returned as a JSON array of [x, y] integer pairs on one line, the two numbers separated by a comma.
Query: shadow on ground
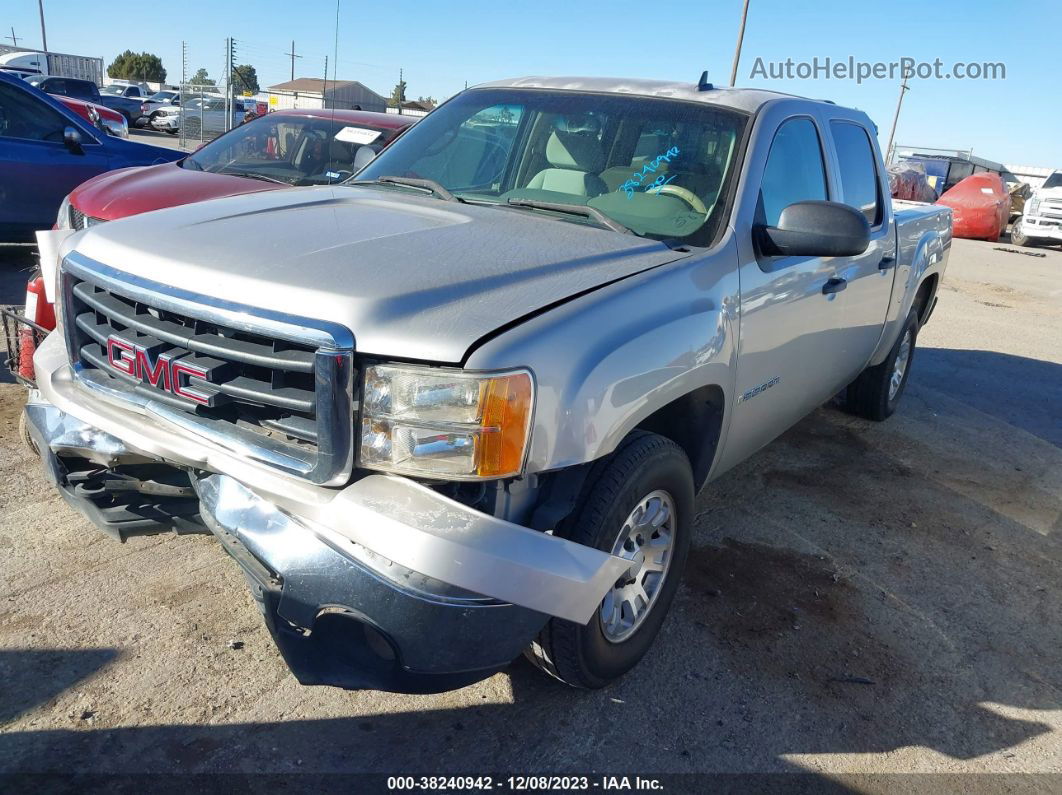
[[844, 596]]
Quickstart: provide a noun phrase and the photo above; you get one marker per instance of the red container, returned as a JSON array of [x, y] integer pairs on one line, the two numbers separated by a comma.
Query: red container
[[980, 205]]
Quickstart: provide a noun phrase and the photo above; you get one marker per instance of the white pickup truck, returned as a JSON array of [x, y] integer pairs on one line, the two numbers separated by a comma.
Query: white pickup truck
[[1041, 220], [461, 406]]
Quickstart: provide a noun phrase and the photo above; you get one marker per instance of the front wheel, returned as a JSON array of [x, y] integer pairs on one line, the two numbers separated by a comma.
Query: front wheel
[[637, 505], [877, 391], [1017, 234]]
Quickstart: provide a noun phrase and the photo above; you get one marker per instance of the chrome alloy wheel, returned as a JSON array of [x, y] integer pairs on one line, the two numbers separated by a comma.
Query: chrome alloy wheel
[[646, 540], [903, 356]]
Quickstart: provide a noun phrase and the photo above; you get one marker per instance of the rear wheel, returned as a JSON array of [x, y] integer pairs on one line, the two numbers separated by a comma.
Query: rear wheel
[[637, 505], [877, 391]]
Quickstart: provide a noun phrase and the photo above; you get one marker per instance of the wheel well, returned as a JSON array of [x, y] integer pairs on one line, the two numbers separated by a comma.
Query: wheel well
[[926, 291], [693, 422]]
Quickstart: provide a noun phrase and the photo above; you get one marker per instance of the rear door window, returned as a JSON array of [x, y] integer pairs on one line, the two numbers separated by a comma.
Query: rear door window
[[859, 174]]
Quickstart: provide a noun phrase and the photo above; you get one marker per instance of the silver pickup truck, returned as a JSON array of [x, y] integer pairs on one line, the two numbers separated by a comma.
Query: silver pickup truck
[[460, 407]]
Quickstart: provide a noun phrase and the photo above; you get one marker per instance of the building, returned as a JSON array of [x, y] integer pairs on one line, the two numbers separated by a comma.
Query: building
[[313, 92]]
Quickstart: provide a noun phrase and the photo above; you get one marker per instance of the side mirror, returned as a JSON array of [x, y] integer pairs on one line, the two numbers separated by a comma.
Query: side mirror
[[72, 139], [815, 229], [363, 157]]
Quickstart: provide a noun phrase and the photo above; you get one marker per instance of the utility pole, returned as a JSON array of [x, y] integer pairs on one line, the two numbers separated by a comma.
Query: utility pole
[[44, 36], [293, 57], [13, 37], [184, 63], [324, 87], [230, 87], [892, 133], [401, 93], [737, 49]]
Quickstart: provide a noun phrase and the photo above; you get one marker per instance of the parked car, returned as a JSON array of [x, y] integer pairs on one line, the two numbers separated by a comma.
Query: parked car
[[200, 116], [150, 106], [46, 150], [461, 406], [124, 98], [281, 150], [1041, 219], [100, 117], [67, 87], [980, 206]]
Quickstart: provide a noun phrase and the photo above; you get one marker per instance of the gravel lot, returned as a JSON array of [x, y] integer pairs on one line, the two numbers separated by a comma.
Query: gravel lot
[[862, 599]]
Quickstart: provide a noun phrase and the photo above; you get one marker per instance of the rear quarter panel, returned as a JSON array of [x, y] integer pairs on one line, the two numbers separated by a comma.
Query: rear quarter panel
[[923, 243]]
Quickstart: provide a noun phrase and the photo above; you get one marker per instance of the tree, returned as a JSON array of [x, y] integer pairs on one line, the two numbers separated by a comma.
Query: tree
[[131, 65], [429, 100], [398, 94], [245, 78], [200, 78]]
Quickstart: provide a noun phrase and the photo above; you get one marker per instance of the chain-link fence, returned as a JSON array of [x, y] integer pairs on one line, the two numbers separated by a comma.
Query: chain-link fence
[[204, 112]]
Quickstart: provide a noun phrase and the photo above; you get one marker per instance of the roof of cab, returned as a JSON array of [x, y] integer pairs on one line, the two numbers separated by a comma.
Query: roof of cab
[[746, 99]]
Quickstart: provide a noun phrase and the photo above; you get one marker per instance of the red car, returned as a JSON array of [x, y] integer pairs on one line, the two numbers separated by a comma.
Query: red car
[[279, 150], [980, 206], [107, 120]]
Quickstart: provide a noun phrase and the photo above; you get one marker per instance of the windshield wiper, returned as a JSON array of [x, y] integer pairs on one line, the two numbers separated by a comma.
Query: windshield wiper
[[253, 175], [429, 185], [584, 210]]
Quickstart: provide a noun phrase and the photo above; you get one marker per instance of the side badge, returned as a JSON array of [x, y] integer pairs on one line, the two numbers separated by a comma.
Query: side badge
[[758, 389]]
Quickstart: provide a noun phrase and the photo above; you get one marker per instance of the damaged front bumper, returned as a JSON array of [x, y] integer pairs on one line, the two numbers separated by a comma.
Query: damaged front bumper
[[382, 584]]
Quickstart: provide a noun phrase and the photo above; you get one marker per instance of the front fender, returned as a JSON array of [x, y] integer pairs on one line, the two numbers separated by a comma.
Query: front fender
[[607, 360]]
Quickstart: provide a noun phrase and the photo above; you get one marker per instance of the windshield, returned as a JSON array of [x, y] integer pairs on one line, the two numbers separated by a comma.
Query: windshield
[[297, 150], [658, 167], [161, 96], [1053, 181], [114, 90]]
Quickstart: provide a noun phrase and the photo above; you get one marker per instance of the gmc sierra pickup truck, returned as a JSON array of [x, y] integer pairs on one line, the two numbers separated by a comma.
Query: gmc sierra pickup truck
[[459, 407]]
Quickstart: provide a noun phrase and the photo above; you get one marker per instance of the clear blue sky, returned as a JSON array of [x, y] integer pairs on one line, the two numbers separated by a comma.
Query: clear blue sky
[[442, 43]]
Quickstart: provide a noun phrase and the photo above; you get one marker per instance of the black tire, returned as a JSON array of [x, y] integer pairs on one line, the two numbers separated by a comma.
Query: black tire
[[581, 655], [871, 395]]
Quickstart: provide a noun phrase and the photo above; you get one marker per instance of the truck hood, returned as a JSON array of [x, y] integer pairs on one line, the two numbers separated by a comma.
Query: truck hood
[[1048, 193], [411, 276]]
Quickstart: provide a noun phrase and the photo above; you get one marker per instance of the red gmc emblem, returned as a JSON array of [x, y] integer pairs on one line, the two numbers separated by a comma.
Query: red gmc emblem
[[166, 372]]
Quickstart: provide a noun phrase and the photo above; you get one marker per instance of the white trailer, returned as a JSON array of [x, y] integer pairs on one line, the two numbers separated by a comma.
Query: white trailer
[[60, 64]]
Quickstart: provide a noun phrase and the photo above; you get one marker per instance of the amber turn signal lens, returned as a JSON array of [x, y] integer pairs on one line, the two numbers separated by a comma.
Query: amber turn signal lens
[[506, 418]]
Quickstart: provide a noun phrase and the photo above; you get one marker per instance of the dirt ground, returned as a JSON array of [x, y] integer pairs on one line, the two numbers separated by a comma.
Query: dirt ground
[[862, 599]]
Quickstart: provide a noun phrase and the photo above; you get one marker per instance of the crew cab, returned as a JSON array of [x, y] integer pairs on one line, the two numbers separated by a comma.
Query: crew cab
[[1041, 218], [460, 406]]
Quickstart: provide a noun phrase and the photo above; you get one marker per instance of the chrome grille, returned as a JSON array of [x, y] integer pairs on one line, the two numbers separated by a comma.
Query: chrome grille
[[279, 398], [78, 220]]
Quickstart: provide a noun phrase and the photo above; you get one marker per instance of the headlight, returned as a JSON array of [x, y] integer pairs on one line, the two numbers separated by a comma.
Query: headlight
[[62, 221], [1032, 206], [445, 423]]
